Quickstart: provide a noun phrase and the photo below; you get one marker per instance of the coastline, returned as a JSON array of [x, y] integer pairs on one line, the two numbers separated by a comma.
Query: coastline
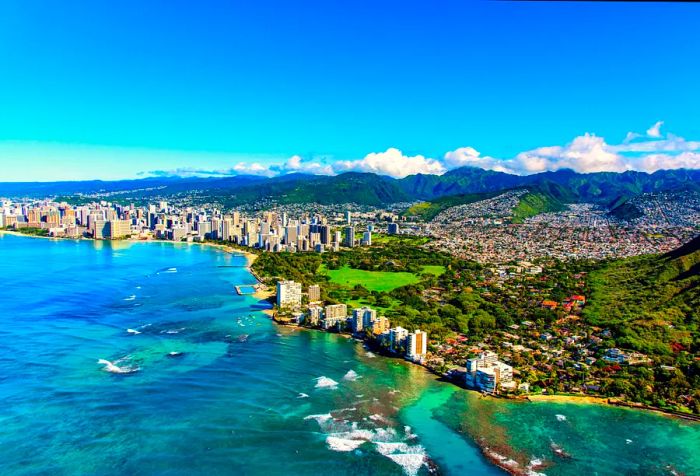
[[17, 233], [488, 452], [578, 399], [263, 293]]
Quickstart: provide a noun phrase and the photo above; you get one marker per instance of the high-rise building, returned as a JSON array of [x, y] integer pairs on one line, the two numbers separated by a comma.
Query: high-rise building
[[314, 293], [335, 316], [393, 229], [333, 311], [290, 234], [288, 294], [118, 229], [417, 345], [204, 228], [325, 232], [315, 314], [381, 325], [486, 372], [363, 318], [34, 218], [367, 238], [227, 229], [397, 338], [349, 236], [100, 229]]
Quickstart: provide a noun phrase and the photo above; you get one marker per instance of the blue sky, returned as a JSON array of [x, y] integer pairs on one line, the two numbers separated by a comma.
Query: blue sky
[[103, 89]]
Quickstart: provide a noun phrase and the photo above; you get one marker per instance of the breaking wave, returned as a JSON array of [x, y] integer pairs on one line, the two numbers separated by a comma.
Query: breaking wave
[[345, 436], [112, 367], [325, 382], [351, 376], [336, 443]]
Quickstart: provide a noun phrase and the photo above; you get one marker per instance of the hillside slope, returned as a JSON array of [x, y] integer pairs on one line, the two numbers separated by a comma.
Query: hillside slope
[[429, 210], [651, 303], [546, 197]]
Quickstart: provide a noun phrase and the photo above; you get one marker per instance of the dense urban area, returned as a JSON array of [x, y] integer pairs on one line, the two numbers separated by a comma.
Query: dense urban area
[[574, 301]]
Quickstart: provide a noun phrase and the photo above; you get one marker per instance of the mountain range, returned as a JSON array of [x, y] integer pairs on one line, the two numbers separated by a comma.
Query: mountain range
[[371, 189]]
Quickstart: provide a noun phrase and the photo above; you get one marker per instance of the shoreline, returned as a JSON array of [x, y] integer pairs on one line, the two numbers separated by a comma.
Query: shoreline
[[529, 398], [263, 293]]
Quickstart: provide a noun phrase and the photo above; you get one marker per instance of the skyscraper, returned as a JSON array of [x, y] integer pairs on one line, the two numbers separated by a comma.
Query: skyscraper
[[349, 236]]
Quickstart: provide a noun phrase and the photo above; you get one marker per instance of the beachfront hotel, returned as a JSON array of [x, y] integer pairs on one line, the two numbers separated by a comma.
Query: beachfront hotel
[[486, 373], [288, 294]]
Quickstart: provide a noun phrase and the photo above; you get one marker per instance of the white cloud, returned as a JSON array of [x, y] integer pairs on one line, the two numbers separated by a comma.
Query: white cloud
[[655, 130], [590, 153], [297, 164], [586, 153], [671, 143], [254, 168], [649, 152], [630, 137], [393, 163], [653, 162], [468, 156]]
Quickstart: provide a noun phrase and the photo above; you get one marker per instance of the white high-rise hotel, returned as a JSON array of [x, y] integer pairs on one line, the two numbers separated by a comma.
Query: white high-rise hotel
[[417, 345], [288, 294]]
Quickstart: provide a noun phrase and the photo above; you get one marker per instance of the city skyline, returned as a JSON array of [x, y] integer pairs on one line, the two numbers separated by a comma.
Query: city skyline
[[223, 89]]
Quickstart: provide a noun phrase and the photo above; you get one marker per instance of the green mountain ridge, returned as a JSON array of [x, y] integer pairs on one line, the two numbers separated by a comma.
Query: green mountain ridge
[[546, 197], [371, 189], [652, 302]]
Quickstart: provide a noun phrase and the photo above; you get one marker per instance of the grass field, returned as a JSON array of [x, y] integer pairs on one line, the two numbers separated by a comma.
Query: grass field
[[382, 239], [435, 270], [381, 281], [356, 303]]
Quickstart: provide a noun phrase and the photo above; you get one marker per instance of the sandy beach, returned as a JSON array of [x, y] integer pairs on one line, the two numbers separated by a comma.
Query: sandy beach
[[583, 399]]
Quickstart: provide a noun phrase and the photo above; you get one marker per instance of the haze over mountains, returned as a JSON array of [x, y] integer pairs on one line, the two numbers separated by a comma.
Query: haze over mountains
[[372, 189]]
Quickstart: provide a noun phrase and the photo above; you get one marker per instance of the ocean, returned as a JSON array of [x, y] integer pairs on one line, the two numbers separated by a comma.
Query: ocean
[[141, 358]]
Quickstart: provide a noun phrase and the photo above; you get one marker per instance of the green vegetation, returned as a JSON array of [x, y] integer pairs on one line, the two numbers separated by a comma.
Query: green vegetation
[[351, 187], [651, 302], [535, 202], [301, 267], [624, 210], [648, 304], [382, 281], [406, 240], [31, 231], [429, 210], [434, 270], [652, 305]]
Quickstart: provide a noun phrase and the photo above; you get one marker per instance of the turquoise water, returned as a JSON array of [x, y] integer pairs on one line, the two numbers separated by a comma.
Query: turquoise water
[[204, 383]]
